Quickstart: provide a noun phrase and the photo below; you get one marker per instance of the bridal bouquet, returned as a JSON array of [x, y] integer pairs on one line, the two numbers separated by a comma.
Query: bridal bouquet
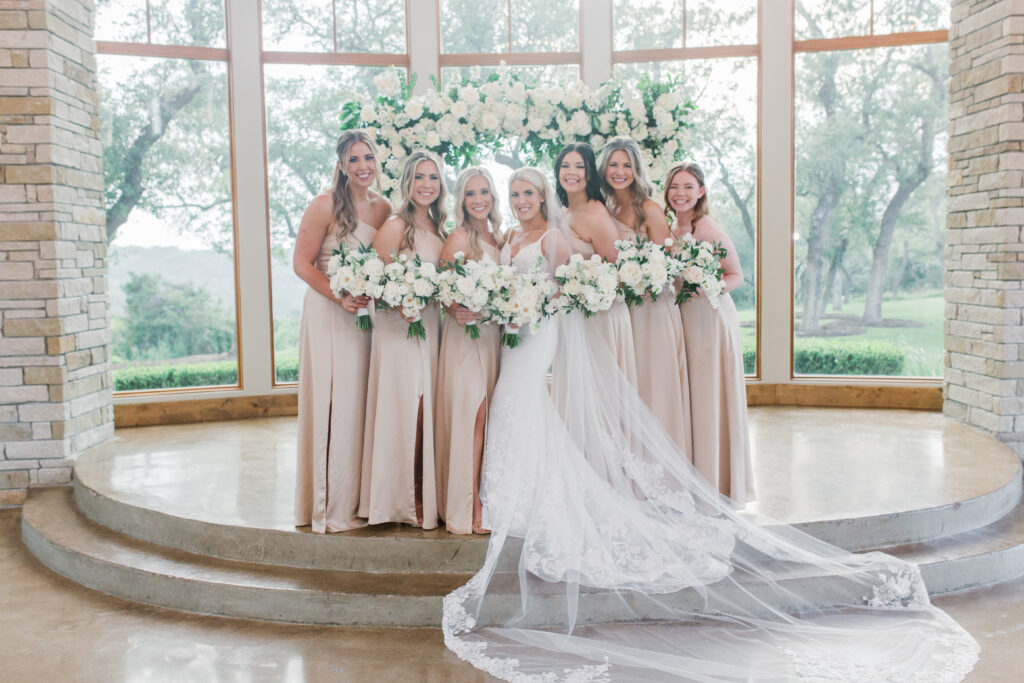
[[360, 273], [645, 267], [409, 285], [590, 285], [701, 268], [469, 284], [521, 299]]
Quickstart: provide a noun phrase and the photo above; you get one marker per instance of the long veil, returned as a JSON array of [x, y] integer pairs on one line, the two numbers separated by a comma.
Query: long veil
[[610, 558]]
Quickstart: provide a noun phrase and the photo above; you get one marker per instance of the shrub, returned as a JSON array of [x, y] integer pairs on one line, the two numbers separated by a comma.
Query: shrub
[[287, 368], [171, 376], [838, 357]]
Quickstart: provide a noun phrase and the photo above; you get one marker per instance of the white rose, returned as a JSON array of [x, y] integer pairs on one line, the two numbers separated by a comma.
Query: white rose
[[459, 109], [635, 107], [630, 274], [433, 139], [368, 114], [490, 121], [413, 109], [580, 122], [388, 83], [469, 95]]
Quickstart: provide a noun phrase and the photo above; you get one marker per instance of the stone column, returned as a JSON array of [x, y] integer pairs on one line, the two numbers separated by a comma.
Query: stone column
[[984, 329], [55, 387]]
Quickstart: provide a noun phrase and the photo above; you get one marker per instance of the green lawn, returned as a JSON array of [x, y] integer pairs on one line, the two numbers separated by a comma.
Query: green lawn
[[922, 344]]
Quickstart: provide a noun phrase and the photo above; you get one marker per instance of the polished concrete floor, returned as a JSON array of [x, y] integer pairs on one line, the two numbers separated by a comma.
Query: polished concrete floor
[[53, 630], [809, 464]]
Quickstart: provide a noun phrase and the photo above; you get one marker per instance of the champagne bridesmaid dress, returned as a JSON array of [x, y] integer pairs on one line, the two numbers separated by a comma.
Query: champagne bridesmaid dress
[[612, 325], [718, 396], [466, 374], [334, 356], [401, 375], [661, 360]]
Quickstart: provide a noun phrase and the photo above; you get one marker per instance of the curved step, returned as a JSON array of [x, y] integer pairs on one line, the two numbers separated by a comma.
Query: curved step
[[101, 559]]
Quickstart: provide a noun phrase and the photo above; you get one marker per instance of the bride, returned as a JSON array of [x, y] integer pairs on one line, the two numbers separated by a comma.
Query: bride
[[610, 559]]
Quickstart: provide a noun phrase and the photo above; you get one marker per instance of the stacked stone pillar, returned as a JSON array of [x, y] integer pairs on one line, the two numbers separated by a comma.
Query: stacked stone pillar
[[55, 390], [984, 329]]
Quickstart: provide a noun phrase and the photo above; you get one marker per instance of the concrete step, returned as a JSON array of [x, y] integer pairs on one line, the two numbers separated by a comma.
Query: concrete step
[[113, 563]]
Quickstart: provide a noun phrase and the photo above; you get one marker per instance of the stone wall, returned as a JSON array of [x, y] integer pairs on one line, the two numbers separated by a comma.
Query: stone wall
[[55, 390], [984, 329]]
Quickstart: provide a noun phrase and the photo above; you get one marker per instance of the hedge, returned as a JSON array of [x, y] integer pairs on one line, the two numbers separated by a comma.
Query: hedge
[[818, 356], [812, 357]]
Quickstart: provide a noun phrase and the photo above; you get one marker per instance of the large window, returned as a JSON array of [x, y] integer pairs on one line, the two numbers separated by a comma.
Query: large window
[[167, 167], [724, 90], [312, 53], [870, 150]]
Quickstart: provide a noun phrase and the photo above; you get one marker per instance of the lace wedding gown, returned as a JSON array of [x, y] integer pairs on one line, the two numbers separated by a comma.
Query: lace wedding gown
[[610, 559]]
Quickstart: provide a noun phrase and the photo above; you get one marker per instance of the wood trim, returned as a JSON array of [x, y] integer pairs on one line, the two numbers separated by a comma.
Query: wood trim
[[861, 42], [512, 59], [336, 58], [106, 47], [846, 396], [670, 53], [205, 410]]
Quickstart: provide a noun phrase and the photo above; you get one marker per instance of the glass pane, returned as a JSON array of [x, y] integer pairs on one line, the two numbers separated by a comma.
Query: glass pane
[[303, 104], [298, 25], [721, 22], [648, 24], [899, 16], [188, 22], [723, 141], [540, 74], [371, 26], [121, 20], [474, 26], [167, 177], [870, 164], [545, 25], [832, 18]]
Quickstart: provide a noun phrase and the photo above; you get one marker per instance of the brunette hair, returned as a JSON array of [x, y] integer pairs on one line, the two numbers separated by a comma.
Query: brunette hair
[[593, 181], [700, 209], [641, 189], [344, 209]]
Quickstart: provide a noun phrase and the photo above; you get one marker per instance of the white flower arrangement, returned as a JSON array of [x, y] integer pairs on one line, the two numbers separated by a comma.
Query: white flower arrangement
[[360, 273], [701, 269], [589, 285], [521, 299], [645, 268], [458, 121], [409, 285], [469, 284]]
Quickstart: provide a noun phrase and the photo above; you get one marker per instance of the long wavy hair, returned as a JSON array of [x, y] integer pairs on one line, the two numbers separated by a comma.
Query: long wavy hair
[[344, 209], [407, 208], [593, 181], [462, 216], [640, 191], [700, 209]]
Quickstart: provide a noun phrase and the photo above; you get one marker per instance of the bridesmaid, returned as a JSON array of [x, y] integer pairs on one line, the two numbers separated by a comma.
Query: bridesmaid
[[657, 329], [592, 231], [398, 483], [468, 368], [334, 354], [714, 356]]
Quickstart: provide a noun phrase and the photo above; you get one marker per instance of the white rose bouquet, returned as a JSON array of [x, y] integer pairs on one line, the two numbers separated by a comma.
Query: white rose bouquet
[[521, 299], [590, 285], [469, 284], [645, 268], [701, 269], [358, 272], [409, 285]]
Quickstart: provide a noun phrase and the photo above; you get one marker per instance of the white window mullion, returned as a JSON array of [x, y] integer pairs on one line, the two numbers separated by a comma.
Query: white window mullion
[[423, 21], [776, 195], [596, 41]]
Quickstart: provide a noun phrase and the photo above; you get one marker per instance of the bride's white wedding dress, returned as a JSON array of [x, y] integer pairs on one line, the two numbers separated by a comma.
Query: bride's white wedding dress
[[611, 559]]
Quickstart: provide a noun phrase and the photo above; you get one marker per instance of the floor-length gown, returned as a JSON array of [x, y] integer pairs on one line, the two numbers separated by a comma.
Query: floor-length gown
[[718, 409], [612, 325], [334, 357], [401, 379], [661, 360], [466, 372]]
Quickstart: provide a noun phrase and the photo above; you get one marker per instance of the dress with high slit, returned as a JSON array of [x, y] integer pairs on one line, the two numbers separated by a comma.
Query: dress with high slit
[[334, 358], [401, 380]]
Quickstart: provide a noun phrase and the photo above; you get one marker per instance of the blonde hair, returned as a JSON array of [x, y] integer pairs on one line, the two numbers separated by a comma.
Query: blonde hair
[[344, 209], [641, 189], [529, 174], [700, 209], [462, 216], [407, 208]]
